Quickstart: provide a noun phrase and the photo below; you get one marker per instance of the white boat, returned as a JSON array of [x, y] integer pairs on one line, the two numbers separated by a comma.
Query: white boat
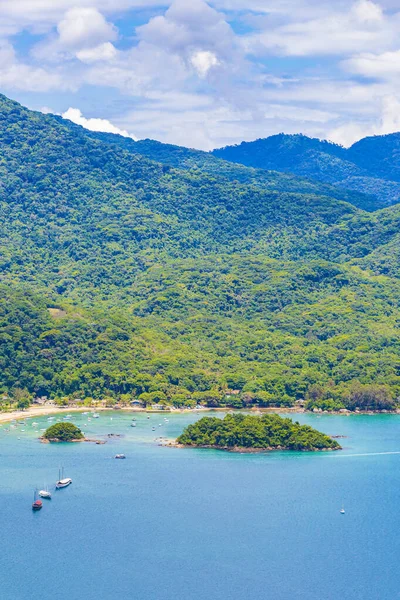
[[342, 511], [133, 424], [62, 482], [45, 493], [95, 416], [120, 456]]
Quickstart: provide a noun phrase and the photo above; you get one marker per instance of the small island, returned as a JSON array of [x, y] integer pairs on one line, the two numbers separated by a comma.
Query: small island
[[63, 432], [248, 433]]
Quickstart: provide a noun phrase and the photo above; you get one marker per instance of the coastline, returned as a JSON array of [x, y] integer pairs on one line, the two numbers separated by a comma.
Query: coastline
[[43, 411], [244, 450]]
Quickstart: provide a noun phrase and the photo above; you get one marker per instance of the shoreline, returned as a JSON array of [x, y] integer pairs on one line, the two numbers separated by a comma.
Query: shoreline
[[245, 450], [43, 411]]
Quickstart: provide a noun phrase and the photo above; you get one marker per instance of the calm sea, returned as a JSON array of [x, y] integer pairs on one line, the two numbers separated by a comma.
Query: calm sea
[[168, 523]]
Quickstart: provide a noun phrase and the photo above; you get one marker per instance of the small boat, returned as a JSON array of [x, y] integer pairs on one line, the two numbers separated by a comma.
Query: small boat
[[153, 428], [342, 511], [62, 482], [120, 456], [37, 504], [45, 493], [95, 416], [133, 424]]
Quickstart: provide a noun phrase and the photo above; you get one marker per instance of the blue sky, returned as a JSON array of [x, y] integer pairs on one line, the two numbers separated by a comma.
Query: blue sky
[[207, 73]]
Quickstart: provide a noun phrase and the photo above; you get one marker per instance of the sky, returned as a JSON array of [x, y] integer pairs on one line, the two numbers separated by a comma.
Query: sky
[[206, 74]]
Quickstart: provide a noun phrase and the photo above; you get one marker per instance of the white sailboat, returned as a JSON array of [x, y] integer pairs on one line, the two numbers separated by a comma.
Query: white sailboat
[[62, 482], [44, 493]]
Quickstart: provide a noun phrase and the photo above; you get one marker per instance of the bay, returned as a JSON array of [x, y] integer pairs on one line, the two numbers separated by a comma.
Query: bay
[[168, 523]]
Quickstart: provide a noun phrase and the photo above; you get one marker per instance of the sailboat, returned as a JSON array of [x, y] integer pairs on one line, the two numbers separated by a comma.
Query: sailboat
[[44, 493], [62, 483], [37, 504]]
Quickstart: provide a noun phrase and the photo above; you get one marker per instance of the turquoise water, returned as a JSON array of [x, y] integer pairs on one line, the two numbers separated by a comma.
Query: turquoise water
[[173, 523]]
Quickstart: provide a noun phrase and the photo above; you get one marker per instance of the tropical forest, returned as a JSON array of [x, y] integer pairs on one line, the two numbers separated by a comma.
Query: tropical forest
[[149, 272]]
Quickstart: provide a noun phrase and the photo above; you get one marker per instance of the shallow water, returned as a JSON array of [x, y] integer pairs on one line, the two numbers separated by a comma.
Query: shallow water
[[172, 523]]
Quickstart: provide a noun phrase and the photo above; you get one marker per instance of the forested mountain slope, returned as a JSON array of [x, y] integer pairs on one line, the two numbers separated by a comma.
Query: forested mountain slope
[[371, 166], [123, 275], [72, 207], [196, 160]]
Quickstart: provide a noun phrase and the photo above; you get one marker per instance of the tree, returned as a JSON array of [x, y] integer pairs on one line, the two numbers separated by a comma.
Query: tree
[[23, 403], [63, 432]]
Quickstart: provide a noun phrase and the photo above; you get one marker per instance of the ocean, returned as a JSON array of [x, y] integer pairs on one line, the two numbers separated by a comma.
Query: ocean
[[170, 523]]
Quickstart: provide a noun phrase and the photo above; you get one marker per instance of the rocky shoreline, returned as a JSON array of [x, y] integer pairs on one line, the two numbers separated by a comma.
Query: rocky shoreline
[[244, 450], [58, 441]]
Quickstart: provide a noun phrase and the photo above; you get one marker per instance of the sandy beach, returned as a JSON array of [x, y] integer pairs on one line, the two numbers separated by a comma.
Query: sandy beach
[[38, 411]]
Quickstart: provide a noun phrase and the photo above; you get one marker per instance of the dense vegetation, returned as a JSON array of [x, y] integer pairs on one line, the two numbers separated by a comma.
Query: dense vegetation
[[371, 166], [267, 432], [125, 278], [63, 432]]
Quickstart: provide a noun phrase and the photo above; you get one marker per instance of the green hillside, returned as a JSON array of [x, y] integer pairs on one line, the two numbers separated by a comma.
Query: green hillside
[[208, 163], [121, 275], [370, 166]]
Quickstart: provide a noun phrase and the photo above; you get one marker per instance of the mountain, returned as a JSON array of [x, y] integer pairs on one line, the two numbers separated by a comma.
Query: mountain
[[73, 205], [148, 270], [371, 166], [195, 160]]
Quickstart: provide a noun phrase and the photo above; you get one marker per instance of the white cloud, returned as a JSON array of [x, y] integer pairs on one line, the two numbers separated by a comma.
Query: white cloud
[[203, 61], [93, 124], [103, 52], [84, 28], [83, 33], [384, 65], [15, 74], [362, 26], [196, 33], [388, 122]]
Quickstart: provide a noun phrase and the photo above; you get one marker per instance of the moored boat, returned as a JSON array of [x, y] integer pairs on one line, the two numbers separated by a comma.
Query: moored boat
[[62, 482], [44, 493], [120, 456], [37, 504]]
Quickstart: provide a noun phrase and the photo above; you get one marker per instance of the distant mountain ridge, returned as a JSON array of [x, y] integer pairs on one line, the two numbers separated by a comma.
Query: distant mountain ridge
[[370, 166]]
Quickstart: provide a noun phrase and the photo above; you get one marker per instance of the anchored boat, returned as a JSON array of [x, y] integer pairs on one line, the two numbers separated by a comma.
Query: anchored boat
[[44, 493], [62, 482], [37, 504]]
